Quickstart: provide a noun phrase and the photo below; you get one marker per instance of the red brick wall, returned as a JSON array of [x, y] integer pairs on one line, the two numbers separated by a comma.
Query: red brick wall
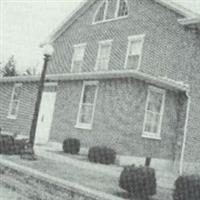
[[118, 120], [170, 50], [22, 123]]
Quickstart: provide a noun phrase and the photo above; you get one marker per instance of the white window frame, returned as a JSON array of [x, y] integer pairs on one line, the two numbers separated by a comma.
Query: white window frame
[[157, 135], [131, 39], [87, 125], [105, 12], [11, 116], [81, 45], [104, 42], [117, 10]]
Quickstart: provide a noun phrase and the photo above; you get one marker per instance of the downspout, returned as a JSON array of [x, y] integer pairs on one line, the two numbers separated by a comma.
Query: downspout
[[185, 134]]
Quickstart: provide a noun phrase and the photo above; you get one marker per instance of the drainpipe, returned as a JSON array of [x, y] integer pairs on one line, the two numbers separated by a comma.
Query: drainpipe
[[185, 134]]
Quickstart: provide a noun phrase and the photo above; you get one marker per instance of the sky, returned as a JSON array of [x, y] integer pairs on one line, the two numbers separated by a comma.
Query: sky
[[24, 24]]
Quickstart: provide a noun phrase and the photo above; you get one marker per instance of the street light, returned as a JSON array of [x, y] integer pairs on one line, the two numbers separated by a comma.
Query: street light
[[47, 52]]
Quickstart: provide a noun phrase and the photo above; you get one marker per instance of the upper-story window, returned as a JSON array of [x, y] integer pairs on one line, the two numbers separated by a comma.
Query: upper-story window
[[154, 113], [77, 60], [101, 11], [122, 8], [106, 13], [14, 102], [134, 52], [103, 56]]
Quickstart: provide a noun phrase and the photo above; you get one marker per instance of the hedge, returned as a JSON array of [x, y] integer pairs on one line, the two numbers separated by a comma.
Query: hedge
[[139, 182], [102, 154], [71, 145], [187, 188], [8, 145]]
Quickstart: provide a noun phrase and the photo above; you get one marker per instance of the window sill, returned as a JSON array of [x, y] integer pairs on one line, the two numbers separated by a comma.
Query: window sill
[[84, 126], [110, 20], [11, 117], [146, 135]]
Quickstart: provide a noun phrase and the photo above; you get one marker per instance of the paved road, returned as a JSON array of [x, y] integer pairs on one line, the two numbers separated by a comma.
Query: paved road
[[7, 194]]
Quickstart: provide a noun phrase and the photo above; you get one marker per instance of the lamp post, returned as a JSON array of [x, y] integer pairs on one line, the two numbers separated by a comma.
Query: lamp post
[[47, 52]]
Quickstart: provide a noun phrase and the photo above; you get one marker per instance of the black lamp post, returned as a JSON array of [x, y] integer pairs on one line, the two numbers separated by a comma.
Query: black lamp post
[[47, 51]]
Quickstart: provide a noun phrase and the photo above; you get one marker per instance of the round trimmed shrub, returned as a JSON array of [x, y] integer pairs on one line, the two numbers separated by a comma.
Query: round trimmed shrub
[[71, 145], [101, 154], [187, 188], [139, 182]]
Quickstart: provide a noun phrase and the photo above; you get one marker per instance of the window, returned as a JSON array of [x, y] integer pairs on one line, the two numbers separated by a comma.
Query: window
[[101, 12], [134, 52], [122, 8], [154, 113], [14, 103], [77, 60], [87, 105], [103, 56]]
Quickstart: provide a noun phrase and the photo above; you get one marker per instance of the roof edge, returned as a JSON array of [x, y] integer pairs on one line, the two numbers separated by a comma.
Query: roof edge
[[60, 28], [177, 8], [73, 16], [158, 81], [189, 21]]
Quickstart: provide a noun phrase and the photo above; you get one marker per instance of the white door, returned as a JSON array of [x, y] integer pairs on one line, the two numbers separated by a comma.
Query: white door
[[45, 117]]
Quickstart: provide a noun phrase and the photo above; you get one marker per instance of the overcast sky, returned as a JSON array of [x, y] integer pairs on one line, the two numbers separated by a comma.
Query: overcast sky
[[26, 23]]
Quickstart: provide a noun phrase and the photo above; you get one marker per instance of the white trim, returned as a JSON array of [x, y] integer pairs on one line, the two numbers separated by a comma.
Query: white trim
[[103, 42], [189, 21], [117, 9], [176, 8], [185, 134], [10, 116], [110, 20], [104, 14], [130, 39], [76, 46], [161, 82], [158, 134], [50, 84], [78, 123]]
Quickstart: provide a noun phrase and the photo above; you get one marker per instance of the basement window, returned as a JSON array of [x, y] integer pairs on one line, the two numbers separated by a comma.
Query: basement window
[[87, 105], [154, 113], [14, 102]]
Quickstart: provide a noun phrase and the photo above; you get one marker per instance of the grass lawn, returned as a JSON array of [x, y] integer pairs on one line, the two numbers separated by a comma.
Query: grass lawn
[[9, 194], [88, 178]]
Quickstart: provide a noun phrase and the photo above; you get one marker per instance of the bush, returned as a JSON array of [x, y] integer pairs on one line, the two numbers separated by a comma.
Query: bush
[[19, 145], [138, 181], [187, 188], [103, 155], [6, 144], [71, 145]]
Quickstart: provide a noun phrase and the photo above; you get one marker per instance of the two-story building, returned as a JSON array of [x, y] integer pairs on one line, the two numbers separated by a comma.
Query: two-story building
[[124, 74]]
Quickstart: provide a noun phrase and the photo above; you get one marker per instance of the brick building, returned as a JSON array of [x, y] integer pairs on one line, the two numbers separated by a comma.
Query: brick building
[[125, 74]]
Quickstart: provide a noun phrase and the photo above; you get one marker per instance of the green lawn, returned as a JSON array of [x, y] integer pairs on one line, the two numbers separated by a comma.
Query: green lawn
[[92, 179]]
